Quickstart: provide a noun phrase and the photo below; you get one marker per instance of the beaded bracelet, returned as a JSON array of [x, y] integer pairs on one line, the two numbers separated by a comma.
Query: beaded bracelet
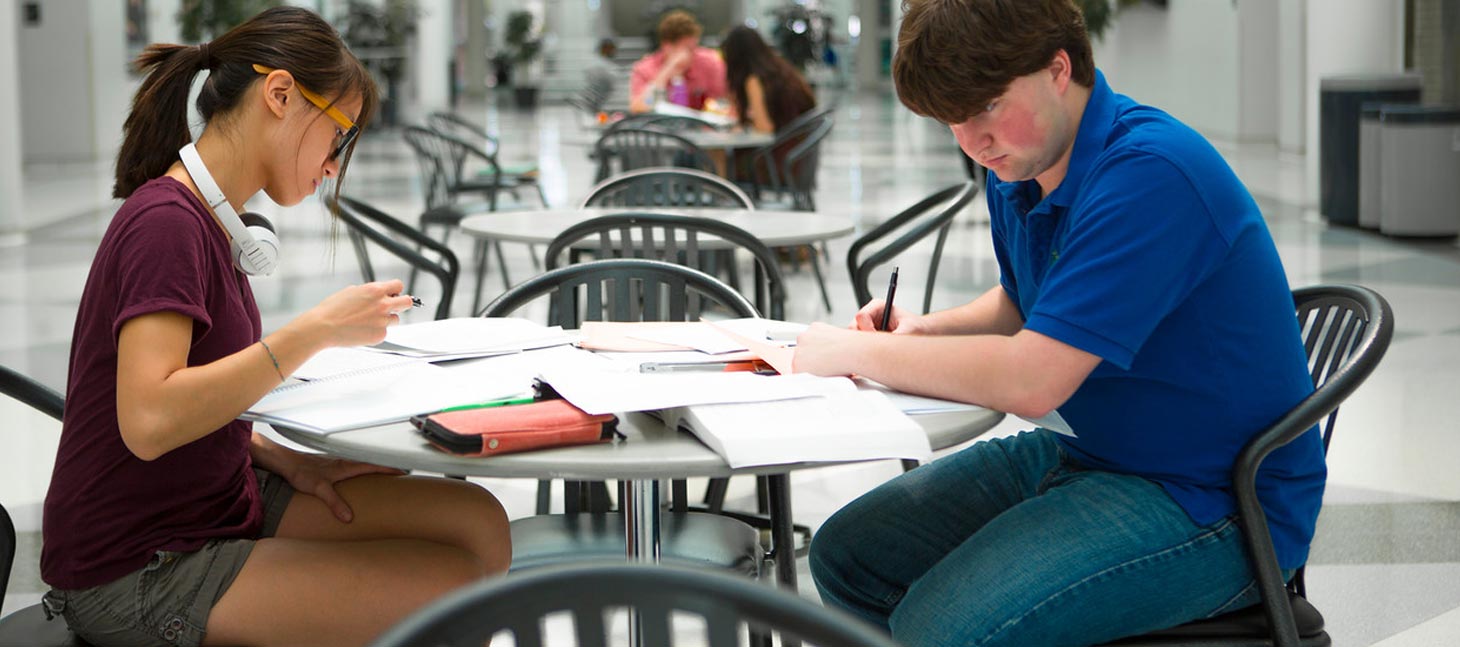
[[273, 359]]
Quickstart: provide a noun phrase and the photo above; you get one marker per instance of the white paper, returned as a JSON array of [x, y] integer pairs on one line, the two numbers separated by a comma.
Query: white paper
[[915, 404], [337, 361], [391, 394], [604, 392], [468, 336], [845, 426], [701, 338], [1053, 421]]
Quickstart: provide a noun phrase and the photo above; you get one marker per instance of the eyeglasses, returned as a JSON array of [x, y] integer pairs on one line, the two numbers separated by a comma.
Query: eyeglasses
[[345, 137]]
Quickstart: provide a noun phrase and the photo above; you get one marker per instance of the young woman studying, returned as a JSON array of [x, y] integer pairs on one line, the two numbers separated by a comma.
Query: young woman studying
[[766, 91], [169, 521]]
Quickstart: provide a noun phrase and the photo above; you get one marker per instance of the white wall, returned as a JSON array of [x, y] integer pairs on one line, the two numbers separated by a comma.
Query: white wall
[[12, 220], [1182, 59], [1346, 37]]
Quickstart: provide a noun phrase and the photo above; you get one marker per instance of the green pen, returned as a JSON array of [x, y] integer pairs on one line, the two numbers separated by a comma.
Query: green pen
[[493, 403]]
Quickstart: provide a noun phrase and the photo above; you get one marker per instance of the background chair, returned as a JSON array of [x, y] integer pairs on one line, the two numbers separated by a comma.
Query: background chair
[[28, 626], [1346, 329], [667, 187], [519, 604], [626, 290], [783, 172], [932, 214], [367, 223], [443, 159], [628, 149], [676, 239], [516, 175]]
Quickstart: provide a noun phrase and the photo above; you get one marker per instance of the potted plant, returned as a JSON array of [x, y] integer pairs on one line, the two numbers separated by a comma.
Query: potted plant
[[379, 34], [523, 44]]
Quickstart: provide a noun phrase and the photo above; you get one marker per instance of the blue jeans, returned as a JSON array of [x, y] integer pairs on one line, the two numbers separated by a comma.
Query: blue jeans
[[1009, 542]]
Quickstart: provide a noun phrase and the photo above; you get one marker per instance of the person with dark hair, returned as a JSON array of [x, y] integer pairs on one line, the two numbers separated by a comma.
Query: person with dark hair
[[1143, 323], [168, 520], [679, 71], [765, 90]]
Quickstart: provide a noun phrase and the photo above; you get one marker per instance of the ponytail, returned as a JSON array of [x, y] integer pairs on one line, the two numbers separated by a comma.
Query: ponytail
[[158, 124], [286, 38]]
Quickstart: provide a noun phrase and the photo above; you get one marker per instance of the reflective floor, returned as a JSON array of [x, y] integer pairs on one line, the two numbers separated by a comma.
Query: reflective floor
[[1385, 566]]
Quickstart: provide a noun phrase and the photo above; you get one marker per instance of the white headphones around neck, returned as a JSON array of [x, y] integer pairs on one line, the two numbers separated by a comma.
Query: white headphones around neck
[[255, 246]]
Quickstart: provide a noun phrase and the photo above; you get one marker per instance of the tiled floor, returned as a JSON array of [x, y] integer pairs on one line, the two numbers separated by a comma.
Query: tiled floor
[[1385, 567]]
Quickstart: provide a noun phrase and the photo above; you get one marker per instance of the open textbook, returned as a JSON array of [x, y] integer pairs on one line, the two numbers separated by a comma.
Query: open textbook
[[849, 425]]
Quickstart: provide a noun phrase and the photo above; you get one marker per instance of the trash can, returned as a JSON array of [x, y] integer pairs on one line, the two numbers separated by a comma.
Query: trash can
[[1339, 101], [1419, 177], [1369, 165]]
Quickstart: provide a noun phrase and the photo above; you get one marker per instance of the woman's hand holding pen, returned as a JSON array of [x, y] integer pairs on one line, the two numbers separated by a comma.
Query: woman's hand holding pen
[[357, 315]]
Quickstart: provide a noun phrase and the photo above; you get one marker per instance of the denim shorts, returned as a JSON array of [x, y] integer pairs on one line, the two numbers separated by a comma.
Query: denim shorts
[[168, 600]]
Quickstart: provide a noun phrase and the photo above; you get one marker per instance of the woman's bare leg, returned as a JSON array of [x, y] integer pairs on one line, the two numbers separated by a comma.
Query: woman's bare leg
[[323, 582]]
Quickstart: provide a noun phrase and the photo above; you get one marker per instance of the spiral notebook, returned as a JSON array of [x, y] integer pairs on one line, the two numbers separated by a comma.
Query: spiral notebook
[[383, 393]]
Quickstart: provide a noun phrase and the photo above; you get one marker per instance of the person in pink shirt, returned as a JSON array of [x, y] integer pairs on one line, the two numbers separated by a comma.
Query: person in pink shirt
[[680, 71]]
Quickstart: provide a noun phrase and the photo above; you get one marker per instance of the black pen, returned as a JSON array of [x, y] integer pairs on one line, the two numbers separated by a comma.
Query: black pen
[[887, 305]]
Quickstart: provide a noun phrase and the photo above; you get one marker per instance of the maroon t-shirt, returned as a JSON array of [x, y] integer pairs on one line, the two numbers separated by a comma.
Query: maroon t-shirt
[[107, 511]]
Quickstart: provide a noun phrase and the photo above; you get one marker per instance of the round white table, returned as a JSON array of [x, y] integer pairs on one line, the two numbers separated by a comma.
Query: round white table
[[774, 228]]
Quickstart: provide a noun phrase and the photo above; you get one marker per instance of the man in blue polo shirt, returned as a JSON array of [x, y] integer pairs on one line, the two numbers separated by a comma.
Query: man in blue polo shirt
[[1143, 320]]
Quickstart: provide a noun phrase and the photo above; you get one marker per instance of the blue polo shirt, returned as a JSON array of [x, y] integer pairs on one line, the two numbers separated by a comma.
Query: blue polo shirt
[[1153, 256]]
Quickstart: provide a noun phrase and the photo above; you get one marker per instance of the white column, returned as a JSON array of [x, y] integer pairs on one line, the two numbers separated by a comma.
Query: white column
[[869, 49], [1257, 76], [474, 67], [12, 220], [108, 65], [1347, 37], [55, 116], [434, 41], [162, 25], [1292, 59]]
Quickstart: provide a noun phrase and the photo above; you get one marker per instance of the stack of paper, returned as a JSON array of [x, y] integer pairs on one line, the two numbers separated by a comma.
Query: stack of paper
[[466, 337]]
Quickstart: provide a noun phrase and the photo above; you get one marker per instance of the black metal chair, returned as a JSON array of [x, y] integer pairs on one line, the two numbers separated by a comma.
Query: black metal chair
[[677, 239], [933, 214], [443, 159], [725, 606], [519, 175], [370, 225], [628, 289], [667, 187], [784, 171], [28, 626], [628, 148], [1346, 329]]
